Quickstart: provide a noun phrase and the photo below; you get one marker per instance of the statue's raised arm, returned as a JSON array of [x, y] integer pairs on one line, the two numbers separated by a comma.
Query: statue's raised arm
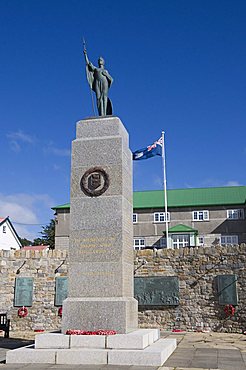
[[100, 81], [88, 63]]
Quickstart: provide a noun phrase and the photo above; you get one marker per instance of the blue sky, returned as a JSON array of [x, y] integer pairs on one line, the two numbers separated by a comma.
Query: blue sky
[[178, 66]]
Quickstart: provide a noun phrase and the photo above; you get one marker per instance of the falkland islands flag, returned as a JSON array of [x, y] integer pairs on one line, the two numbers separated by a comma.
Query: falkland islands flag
[[149, 151]]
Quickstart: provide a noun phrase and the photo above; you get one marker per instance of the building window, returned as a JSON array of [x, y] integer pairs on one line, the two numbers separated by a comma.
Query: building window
[[135, 218], [139, 243], [180, 241], [160, 217], [200, 215], [200, 241], [4, 229], [235, 214], [163, 242], [229, 239]]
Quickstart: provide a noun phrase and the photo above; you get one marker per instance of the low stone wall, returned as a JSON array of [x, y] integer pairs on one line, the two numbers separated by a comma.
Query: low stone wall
[[196, 269], [41, 266]]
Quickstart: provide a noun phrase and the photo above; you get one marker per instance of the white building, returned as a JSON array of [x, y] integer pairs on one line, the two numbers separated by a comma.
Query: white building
[[9, 238]]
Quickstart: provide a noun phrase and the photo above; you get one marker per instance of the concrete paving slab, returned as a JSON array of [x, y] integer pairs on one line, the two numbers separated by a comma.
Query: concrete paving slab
[[226, 366], [177, 364], [191, 368], [75, 367], [203, 364], [13, 366]]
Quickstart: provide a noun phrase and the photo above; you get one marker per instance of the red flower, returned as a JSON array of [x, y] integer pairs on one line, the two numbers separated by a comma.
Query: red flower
[[85, 332], [22, 312], [229, 310]]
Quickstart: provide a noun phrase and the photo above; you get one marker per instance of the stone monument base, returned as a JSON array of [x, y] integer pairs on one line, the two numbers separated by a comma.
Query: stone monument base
[[141, 347], [114, 313]]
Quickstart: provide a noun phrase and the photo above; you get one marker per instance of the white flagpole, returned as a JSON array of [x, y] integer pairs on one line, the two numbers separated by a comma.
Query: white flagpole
[[165, 185]]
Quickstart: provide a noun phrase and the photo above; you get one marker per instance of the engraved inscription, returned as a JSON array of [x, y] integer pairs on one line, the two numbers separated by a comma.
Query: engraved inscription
[[97, 273], [92, 245]]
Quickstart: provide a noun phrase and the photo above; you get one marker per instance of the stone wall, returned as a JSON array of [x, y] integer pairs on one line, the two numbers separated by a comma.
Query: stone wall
[[196, 269], [41, 266]]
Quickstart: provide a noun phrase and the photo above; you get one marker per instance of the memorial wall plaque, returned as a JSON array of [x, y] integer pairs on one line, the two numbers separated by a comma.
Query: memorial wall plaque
[[61, 290], [23, 291], [157, 290], [227, 289]]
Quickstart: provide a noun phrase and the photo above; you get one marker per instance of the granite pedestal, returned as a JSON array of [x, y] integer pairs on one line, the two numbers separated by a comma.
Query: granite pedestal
[[100, 284]]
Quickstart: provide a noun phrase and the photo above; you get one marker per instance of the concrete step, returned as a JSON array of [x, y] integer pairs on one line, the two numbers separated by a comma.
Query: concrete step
[[154, 355], [141, 348]]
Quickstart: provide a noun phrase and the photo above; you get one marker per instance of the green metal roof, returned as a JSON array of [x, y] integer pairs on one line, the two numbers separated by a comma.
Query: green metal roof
[[63, 206], [190, 197], [230, 195], [181, 228]]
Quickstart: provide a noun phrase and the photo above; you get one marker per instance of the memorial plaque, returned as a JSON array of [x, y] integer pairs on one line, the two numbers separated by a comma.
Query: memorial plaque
[[94, 182], [23, 291], [227, 289], [61, 290], [157, 290]]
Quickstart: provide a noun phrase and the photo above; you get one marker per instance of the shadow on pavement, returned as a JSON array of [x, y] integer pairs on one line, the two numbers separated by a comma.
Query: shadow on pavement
[[12, 343]]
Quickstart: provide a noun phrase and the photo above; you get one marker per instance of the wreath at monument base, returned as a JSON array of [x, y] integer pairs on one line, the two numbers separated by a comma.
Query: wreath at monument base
[[86, 332], [22, 312], [229, 310], [60, 311]]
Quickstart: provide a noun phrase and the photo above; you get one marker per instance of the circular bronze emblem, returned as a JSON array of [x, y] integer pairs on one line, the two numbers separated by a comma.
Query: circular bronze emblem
[[94, 182]]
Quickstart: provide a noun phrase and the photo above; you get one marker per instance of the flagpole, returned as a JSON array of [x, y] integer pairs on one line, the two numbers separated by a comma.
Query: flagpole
[[165, 185]]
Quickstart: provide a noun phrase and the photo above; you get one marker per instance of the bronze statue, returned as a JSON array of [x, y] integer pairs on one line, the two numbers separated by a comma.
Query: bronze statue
[[100, 81]]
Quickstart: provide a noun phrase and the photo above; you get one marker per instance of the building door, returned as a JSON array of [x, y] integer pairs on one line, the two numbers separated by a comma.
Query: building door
[[180, 240]]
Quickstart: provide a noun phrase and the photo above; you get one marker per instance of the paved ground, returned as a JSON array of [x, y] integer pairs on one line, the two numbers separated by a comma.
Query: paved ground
[[196, 351], [209, 351], [12, 343]]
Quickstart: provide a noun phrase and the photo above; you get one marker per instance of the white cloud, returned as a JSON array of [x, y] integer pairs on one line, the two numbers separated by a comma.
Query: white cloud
[[218, 183], [19, 137], [14, 146], [24, 211], [56, 167], [60, 152], [232, 183], [189, 186], [158, 181]]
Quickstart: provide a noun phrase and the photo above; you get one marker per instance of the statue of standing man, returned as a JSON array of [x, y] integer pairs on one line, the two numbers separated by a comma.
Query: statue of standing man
[[100, 81]]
